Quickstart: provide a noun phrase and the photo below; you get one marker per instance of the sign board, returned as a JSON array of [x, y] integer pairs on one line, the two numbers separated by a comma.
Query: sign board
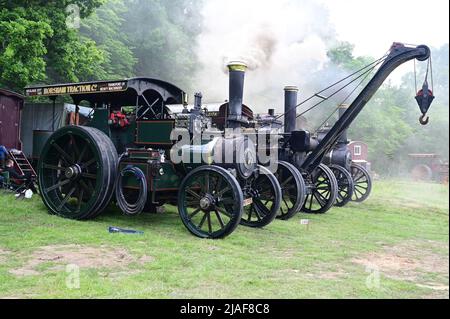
[[82, 88]]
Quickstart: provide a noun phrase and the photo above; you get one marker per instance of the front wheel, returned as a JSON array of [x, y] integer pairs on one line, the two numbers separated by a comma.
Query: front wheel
[[210, 202], [345, 185], [265, 193], [322, 190], [293, 190], [362, 181]]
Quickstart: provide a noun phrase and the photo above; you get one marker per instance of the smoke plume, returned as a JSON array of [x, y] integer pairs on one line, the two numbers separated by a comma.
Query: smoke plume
[[283, 42]]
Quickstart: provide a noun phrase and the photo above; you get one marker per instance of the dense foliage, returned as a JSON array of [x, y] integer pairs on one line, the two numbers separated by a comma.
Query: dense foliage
[[38, 45], [42, 41]]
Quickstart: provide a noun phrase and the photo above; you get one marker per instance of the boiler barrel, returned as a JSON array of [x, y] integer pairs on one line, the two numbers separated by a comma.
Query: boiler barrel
[[39, 139]]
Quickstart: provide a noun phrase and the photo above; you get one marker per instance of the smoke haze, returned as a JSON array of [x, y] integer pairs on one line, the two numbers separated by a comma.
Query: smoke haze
[[283, 42]]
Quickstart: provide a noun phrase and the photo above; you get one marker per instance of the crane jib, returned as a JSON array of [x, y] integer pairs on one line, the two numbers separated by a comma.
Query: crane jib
[[398, 55]]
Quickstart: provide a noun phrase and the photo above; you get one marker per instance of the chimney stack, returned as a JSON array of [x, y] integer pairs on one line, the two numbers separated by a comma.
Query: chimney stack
[[342, 109], [236, 91], [290, 108]]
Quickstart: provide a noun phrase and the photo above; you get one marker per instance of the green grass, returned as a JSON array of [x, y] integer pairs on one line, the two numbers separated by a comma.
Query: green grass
[[401, 222]]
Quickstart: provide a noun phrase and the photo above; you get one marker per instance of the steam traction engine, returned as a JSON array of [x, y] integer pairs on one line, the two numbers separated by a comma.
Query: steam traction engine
[[131, 159]]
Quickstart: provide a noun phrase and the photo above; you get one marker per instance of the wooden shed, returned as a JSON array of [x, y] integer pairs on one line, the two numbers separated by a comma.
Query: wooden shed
[[360, 153], [11, 105]]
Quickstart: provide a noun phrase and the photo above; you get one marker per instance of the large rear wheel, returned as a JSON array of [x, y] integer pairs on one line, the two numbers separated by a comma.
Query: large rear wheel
[[77, 170]]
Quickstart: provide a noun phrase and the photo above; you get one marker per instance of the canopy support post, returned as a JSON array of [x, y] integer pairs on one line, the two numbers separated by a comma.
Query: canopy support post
[[53, 98]]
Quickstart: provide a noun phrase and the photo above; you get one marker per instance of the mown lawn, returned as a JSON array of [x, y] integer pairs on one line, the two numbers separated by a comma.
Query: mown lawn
[[394, 245]]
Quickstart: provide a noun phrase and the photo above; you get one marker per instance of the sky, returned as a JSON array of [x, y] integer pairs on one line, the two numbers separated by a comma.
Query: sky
[[372, 24]]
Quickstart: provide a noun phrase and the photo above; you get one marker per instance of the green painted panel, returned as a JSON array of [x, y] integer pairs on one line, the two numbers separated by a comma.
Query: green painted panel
[[169, 180], [154, 132], [100, 120]]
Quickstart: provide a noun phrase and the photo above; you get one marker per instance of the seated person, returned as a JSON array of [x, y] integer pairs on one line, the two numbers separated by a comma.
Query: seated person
[[25, 178], [13, 173]]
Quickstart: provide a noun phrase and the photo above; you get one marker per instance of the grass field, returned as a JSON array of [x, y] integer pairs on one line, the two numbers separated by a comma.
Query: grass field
[[394, 245]]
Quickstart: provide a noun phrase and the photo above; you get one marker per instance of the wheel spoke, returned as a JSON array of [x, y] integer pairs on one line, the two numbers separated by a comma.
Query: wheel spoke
[[223, 211], [208, 214], [80, 199], [250, 211], [192, 193], [223, 191], [89, 175], [88, 163], [66, 198], [60, 184], [83, 152], [85, 186], [76, 152], [202, 221], [195, 212], [53, 167], [63, 153], [219, 218], [207, 187], [286, 181]]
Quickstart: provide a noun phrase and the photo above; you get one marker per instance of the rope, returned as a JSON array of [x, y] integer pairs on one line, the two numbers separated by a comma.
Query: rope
[[431, 75], [345, 99], [415, 76], [374, 63]]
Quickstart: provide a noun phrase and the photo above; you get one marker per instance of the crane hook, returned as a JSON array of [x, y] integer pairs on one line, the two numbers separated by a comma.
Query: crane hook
[[424, 120]]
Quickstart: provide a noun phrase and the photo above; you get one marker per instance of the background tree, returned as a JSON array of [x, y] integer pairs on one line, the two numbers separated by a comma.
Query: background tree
[[106, 28], [37, 45], [162, 37]]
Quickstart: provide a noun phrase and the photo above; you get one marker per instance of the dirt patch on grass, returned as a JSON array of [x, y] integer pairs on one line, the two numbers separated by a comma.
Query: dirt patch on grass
[[3, 255], [57, 257], [414, 261]]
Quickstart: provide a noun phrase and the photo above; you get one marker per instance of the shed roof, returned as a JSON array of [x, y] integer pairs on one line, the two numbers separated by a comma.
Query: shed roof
[[9, 93]]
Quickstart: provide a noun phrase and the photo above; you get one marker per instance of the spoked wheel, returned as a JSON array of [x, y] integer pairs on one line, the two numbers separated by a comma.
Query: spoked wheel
[[321, 190], [210, 202], [345, 185], [293, 190], [265, 193], [77, 171], [362, 181]]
